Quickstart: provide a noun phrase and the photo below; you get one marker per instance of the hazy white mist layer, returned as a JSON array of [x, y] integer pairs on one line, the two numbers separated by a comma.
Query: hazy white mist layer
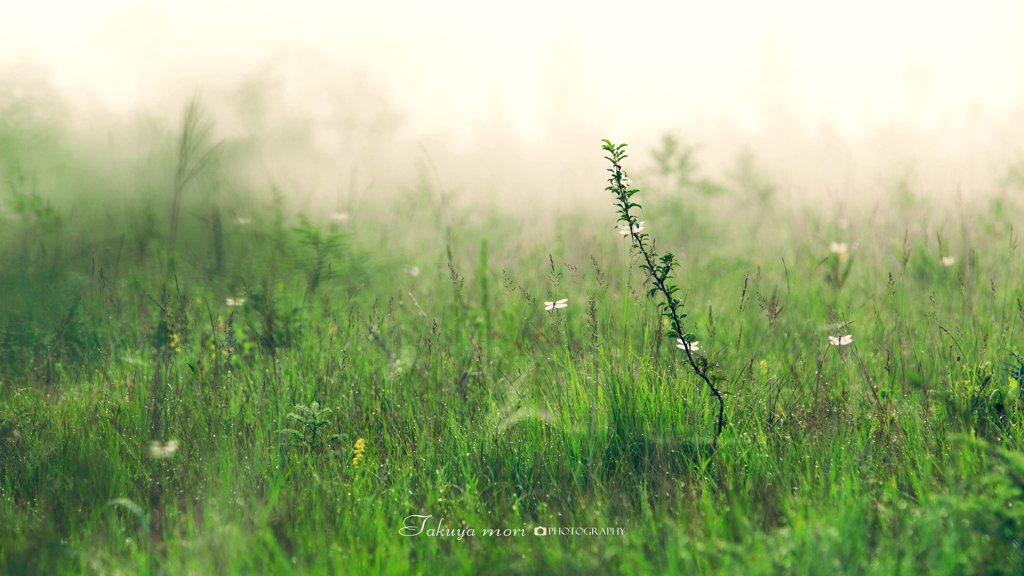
[[821, 92]]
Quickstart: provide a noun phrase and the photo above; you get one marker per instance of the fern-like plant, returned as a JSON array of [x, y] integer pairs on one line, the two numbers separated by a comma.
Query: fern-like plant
[[311, 420]]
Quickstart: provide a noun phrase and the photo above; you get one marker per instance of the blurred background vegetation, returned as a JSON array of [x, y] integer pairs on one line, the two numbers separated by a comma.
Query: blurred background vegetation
[[194, 280]]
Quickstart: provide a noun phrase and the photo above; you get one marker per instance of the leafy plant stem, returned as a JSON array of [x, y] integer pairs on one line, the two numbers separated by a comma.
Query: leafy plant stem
[[659, 274]]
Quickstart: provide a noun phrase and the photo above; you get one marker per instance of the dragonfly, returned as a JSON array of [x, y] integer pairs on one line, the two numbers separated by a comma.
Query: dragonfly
[[692, 345], [624, 229], [556, 304], [838, 340]]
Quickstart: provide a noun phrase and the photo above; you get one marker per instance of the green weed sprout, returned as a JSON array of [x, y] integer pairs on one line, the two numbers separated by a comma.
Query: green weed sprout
[[659, 269], [320, 249], [311, 418]]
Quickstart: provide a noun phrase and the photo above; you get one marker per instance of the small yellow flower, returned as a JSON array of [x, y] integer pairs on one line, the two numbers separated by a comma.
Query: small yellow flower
[[360, 452]]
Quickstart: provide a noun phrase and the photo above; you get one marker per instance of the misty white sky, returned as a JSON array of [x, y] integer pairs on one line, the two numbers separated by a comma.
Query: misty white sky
[[451, 66]]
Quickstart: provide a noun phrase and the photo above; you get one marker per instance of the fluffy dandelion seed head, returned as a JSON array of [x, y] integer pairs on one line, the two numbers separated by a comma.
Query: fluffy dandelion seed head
[[840, 340], [948, 261], [691, 345], [413, 271], [556, 304], [838, 248], [235, 301], [160, 451]]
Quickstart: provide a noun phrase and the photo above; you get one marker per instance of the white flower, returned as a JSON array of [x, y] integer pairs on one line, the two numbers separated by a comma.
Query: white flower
[[626, 182], [340, 216], [413, 271], [244, 221], [235, 301], [840, 340], [556, 304], [157, 450], [947, 261], [624, 229], [691, 345], [838, 248]]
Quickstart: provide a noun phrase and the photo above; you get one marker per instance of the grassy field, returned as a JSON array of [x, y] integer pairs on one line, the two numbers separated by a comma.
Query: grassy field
[[249, 390]]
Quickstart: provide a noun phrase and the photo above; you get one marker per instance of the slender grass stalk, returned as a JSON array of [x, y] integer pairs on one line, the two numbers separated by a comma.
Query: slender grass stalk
[[485, 293], [625, 298], [194, 155]]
